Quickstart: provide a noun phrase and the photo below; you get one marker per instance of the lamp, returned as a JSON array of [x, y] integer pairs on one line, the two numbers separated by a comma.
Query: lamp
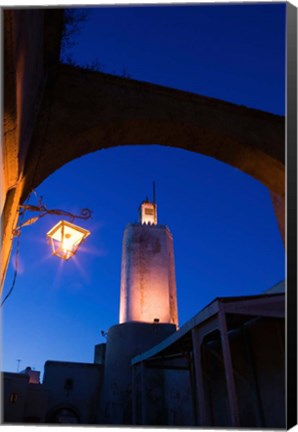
[[66, 239]]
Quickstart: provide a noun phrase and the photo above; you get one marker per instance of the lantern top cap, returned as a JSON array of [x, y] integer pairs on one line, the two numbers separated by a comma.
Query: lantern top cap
[[70, 226]]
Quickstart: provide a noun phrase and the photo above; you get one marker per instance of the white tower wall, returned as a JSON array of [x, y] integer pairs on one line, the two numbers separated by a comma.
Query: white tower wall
[[148, 285]]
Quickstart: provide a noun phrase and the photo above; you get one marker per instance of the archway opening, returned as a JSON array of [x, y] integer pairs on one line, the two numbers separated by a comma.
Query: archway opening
[[226, 242]]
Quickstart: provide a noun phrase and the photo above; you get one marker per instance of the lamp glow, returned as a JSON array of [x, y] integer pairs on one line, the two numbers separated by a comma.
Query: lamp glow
[[66, 238]]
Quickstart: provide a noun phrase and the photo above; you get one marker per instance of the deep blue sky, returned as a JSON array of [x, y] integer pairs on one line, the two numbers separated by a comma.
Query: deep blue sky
[[230, 52], [225, 233]]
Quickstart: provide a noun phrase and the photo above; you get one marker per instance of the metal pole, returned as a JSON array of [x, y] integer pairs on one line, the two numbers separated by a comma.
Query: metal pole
[[154, 203]]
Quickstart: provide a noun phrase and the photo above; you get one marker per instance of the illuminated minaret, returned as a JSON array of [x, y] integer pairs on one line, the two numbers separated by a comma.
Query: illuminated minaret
[[148, 310], [148, 285]]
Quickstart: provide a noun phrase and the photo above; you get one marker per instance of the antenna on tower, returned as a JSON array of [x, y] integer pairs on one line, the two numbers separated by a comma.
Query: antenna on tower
[[154, 195], [154, 203]]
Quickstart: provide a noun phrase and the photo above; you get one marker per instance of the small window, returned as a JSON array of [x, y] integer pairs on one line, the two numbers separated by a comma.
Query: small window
[[13, 397], [68, 384], [149, 211]]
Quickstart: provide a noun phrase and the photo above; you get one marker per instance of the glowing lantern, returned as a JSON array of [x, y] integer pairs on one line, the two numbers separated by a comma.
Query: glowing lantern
[[66, 239]]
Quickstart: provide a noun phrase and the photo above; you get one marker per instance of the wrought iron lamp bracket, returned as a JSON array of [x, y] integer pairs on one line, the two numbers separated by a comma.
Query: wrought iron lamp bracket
[[42, 209]]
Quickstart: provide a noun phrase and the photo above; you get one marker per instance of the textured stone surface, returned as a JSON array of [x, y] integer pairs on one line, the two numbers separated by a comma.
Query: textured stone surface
[[87, 111], [81, 396], [31, 53], [279, 205], [125, 341], [148, 285]]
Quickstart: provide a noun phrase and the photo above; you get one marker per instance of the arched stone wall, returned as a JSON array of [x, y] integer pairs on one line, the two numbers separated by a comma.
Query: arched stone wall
[[85, 111], [31, 47], [75, 112], [63, 413]]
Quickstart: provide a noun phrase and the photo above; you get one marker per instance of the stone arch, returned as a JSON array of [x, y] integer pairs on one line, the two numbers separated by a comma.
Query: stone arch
[[63, 413], [67, 112], [85, 111]]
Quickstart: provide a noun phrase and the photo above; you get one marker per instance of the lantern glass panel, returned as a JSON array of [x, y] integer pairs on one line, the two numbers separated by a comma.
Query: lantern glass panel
[[66, 238]]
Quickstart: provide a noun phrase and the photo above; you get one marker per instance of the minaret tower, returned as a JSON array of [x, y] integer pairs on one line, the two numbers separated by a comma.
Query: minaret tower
[[148, 285], [148, 310]]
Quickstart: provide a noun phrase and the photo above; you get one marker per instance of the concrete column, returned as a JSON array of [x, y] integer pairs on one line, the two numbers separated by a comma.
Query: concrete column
[[231, 387], [134, 394], [143, 395], [192, 383], [252, 370], [201, 417]]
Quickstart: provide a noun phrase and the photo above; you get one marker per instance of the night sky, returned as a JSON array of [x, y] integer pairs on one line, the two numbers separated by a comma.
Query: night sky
[[226, 237]]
